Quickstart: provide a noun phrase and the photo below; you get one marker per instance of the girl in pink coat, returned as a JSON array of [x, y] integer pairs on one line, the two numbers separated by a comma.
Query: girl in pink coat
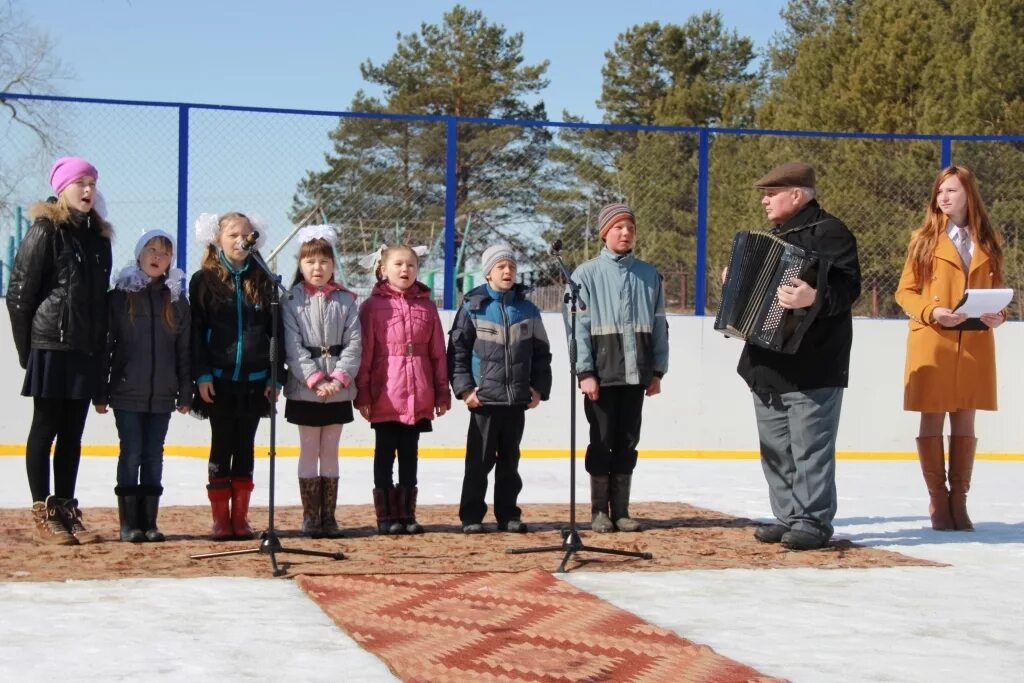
[[402, 383]]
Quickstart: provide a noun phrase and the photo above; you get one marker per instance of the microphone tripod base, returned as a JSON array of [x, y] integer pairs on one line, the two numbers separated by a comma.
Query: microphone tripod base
[[270, 544], [571, 544]]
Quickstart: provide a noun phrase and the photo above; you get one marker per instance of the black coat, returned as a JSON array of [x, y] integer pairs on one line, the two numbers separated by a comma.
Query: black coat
[[58, 288], [231, 339], [823, 357], [146, 366]]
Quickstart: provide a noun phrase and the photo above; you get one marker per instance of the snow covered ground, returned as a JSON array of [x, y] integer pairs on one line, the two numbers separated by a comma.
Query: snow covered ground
[[960, 622]]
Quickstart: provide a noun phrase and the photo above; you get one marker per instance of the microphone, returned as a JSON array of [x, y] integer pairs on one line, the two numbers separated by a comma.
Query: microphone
[[248, 243], [556, 247]]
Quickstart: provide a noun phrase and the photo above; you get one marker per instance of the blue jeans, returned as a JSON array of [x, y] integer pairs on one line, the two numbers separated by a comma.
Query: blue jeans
[[142, 447]]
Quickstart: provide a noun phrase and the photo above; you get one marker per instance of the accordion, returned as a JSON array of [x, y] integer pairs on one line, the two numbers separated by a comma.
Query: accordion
[[759, 264]]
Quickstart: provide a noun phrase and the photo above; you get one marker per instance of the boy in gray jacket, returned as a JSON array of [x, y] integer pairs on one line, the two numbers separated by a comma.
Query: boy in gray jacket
[[622, 354]]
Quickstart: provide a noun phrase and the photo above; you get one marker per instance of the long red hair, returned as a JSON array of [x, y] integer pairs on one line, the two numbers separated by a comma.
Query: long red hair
[[984, 236]]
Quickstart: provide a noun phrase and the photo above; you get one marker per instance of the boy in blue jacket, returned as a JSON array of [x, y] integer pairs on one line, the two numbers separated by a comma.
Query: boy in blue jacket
[[499, 363], [622, 354]]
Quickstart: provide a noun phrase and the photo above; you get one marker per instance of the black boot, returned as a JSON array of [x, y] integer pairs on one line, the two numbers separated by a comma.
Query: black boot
[[600, 521], [149, 508], [620, 485], [128, 513]]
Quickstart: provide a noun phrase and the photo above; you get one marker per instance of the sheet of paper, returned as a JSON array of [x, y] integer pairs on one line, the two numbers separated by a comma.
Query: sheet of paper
[[977, 302]]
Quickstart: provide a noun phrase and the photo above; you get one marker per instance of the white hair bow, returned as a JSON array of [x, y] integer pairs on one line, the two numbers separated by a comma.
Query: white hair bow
[[318, 232], [208, 228], [373, 259]]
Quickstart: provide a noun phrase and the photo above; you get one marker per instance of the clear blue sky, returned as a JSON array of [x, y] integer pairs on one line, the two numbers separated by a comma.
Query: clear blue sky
[[305, 54]]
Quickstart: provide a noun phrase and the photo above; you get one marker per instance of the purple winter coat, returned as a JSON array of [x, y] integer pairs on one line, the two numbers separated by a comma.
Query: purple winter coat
[[403, 376]]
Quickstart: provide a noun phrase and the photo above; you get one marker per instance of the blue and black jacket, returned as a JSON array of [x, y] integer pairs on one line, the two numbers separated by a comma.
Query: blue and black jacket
[[622, 332], [498, 346], [231, 337]]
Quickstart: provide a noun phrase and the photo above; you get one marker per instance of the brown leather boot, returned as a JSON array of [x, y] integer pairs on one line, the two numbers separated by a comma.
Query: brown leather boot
[[219, 492], [241, 491], [310, 490], [407, 500], [72, 515], [49, 526], [395, 505], [961, 465], [381, 506], [329, 507], [933, 467]]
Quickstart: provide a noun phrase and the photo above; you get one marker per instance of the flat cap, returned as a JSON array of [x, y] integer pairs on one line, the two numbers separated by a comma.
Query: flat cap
[[791, 174]]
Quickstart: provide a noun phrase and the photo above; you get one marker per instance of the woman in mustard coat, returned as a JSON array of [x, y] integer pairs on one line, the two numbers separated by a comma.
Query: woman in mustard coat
[[950, 370]]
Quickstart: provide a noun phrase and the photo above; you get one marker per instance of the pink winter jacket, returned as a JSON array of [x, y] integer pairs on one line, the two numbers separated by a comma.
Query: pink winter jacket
[[403, 376]]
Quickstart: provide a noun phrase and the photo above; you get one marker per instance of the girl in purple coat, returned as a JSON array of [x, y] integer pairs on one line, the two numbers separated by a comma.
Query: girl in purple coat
[[402, 383]]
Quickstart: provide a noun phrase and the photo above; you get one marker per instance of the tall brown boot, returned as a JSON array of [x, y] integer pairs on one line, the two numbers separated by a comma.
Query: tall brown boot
[[961, 465], [933, 467], [329, 506], [407, 499], [395, 495], [310, 490], [49, 526], [381, 506]]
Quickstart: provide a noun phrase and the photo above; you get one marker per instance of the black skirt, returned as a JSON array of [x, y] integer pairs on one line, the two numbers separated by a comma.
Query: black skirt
[[317, 414], [232, 399], [60, 374]]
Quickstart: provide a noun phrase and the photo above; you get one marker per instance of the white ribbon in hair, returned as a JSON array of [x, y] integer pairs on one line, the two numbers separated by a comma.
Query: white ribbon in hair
[[371, 260], [208, 228], [318, 232]]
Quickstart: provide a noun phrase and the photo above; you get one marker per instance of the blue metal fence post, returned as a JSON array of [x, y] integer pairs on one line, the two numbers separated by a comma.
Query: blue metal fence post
[[701, 266], [947, 152], [449, 213], [183, 187]]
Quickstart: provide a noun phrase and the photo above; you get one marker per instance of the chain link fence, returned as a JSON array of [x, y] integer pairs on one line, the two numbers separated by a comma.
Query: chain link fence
[[456, 186]]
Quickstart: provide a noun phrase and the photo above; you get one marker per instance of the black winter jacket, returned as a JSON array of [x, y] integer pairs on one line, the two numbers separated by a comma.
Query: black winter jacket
[[146, 366], [58, 287], [231, 340], [498, 346], [823, 358]]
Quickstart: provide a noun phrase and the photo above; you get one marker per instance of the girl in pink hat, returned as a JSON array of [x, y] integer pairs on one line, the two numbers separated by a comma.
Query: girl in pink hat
[[57, 303]]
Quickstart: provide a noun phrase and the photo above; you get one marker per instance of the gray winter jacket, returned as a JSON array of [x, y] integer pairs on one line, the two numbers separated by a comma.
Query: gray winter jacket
[[322, 339], [146, 366]]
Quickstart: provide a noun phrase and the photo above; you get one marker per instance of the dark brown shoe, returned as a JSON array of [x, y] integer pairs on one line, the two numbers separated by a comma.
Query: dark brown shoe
[[770, 533]]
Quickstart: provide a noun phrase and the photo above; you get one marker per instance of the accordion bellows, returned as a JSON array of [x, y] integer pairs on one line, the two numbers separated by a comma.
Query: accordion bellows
[[759, 264]]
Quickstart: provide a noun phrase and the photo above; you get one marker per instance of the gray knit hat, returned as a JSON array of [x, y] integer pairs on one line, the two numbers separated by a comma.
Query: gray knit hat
[[495, 253], [610, 215]]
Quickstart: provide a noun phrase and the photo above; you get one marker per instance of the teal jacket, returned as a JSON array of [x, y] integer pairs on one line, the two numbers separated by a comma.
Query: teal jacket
[[622, 333]]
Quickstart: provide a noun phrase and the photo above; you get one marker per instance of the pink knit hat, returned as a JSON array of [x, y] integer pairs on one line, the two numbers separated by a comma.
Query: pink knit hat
[[67, 170]]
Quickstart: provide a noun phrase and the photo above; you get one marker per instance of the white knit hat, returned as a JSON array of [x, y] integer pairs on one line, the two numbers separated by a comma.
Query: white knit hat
[[495, 253]]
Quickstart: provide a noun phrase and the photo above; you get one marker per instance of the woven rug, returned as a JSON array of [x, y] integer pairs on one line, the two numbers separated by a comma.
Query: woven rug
[[514, 627]]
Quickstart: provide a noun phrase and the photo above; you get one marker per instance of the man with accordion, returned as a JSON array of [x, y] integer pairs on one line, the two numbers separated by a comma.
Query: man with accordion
[[798, 386]]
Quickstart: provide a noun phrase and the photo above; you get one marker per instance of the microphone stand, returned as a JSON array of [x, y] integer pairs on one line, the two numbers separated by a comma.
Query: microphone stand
[[270, 544], [572, 543]]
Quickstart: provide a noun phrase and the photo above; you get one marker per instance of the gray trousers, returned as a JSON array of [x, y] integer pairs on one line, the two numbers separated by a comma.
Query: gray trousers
[[798, 454]]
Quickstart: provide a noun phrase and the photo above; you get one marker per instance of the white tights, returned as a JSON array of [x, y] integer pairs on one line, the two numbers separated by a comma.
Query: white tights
[[318, 450]]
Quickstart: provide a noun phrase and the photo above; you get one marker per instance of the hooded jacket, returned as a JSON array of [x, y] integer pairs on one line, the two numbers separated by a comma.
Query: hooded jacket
[[58, 287], [403, 376], [498, 346], [321, 321], [146, 365]]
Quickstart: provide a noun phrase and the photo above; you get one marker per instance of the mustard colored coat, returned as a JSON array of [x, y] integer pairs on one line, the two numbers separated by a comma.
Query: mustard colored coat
[[947, 370]]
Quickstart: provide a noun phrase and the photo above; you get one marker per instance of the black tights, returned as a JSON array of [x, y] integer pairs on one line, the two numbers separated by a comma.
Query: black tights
[[63, 419], [231, 445], [395, 437]]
